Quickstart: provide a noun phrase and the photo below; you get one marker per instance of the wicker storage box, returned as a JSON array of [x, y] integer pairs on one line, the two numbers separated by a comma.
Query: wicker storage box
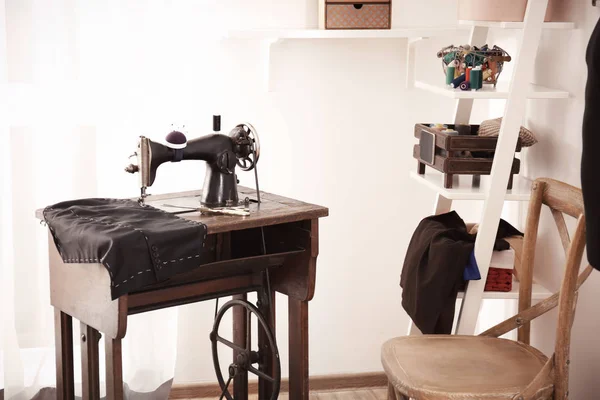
[[344, 14], [454, 154], [501, 10]]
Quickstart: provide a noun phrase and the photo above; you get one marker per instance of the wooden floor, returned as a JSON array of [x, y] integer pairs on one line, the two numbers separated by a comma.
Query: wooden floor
[[363, 394]]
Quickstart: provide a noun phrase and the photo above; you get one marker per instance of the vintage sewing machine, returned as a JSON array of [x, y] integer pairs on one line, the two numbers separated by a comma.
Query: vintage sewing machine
[[272, 248], [221, 152]]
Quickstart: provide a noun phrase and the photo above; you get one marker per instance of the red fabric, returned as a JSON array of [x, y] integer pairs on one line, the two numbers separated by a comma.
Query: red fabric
[[499, 280]]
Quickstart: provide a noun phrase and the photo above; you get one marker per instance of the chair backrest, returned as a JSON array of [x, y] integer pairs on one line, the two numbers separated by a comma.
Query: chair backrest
[[562, 199]]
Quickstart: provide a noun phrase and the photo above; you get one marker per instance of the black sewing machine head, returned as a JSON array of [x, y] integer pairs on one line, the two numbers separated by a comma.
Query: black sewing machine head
[[221, 152]]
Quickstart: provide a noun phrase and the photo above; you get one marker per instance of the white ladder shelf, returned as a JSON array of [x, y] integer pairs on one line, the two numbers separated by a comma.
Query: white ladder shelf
[[494, 193]]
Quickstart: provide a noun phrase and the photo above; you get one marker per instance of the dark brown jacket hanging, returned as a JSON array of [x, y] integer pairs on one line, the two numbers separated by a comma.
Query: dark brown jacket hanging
[[432, 273], [433, 269], [590, 173]]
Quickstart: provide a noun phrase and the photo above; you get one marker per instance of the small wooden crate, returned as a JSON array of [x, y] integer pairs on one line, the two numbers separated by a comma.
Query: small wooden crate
[[353, 14], [454, 154]]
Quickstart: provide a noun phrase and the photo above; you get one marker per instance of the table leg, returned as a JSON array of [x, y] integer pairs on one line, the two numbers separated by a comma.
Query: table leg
[[298, 348], [267, 362], [90, 364], [63, 336], [240, 321], [114, 369]]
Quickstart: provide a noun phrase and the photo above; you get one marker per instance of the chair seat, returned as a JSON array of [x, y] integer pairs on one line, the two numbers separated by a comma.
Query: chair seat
[[445, 367]]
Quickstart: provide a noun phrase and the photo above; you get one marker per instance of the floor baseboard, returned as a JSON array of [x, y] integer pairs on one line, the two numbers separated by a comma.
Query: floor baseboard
[[317, 383]]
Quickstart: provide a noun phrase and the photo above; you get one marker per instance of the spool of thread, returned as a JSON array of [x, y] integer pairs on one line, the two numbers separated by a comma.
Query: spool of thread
[[448, 58], [456, 82], [487, 74], [439, 127], [450, 132], [450, 74], [470, 59], [468, 74], [466, 85], [481, 80], [476, 77]]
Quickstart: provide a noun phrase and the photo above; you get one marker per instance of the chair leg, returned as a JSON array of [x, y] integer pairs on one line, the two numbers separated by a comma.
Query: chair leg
[[391, 392], [400, 396]]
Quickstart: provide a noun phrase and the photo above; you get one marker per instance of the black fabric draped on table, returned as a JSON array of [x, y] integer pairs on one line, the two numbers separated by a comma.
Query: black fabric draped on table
[[590, 167], [139, 245]]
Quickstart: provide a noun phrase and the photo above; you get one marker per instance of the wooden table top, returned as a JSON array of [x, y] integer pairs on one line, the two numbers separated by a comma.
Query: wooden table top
[[273, 210]]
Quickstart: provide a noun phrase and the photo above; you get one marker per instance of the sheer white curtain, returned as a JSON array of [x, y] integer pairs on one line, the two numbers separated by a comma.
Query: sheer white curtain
[[79, 82]]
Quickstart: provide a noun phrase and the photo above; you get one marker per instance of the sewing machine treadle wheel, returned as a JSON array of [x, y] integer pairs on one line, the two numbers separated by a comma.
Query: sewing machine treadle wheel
[[245, 357]]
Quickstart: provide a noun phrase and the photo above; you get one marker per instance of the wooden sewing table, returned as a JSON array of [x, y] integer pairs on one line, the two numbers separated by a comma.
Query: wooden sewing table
[[291, 230]]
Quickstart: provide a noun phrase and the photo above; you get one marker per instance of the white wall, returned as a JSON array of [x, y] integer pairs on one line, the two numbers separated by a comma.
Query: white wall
[[337, 132]]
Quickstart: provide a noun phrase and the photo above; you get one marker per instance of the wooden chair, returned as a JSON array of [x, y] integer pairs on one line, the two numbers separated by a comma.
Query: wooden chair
[[436, 367]]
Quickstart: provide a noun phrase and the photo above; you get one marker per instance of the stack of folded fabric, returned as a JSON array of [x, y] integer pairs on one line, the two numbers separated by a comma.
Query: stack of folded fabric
[[499, 280]]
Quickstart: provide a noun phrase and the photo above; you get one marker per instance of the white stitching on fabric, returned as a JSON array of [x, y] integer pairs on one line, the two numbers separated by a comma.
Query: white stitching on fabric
[[109, 268], [181, 259]]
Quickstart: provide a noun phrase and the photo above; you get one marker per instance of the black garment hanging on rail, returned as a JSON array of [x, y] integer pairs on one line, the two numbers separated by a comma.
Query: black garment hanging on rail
[[590, 168], [138, 244]]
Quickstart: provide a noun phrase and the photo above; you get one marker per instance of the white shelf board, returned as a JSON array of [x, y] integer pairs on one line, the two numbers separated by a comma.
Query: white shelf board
[[503, 259], [501, 91], [464, 190], [396, 33], [538, 293], [515, 25]]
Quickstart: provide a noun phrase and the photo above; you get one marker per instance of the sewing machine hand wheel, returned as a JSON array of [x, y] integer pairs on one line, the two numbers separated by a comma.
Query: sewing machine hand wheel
[[247, 146], [245, 357]]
